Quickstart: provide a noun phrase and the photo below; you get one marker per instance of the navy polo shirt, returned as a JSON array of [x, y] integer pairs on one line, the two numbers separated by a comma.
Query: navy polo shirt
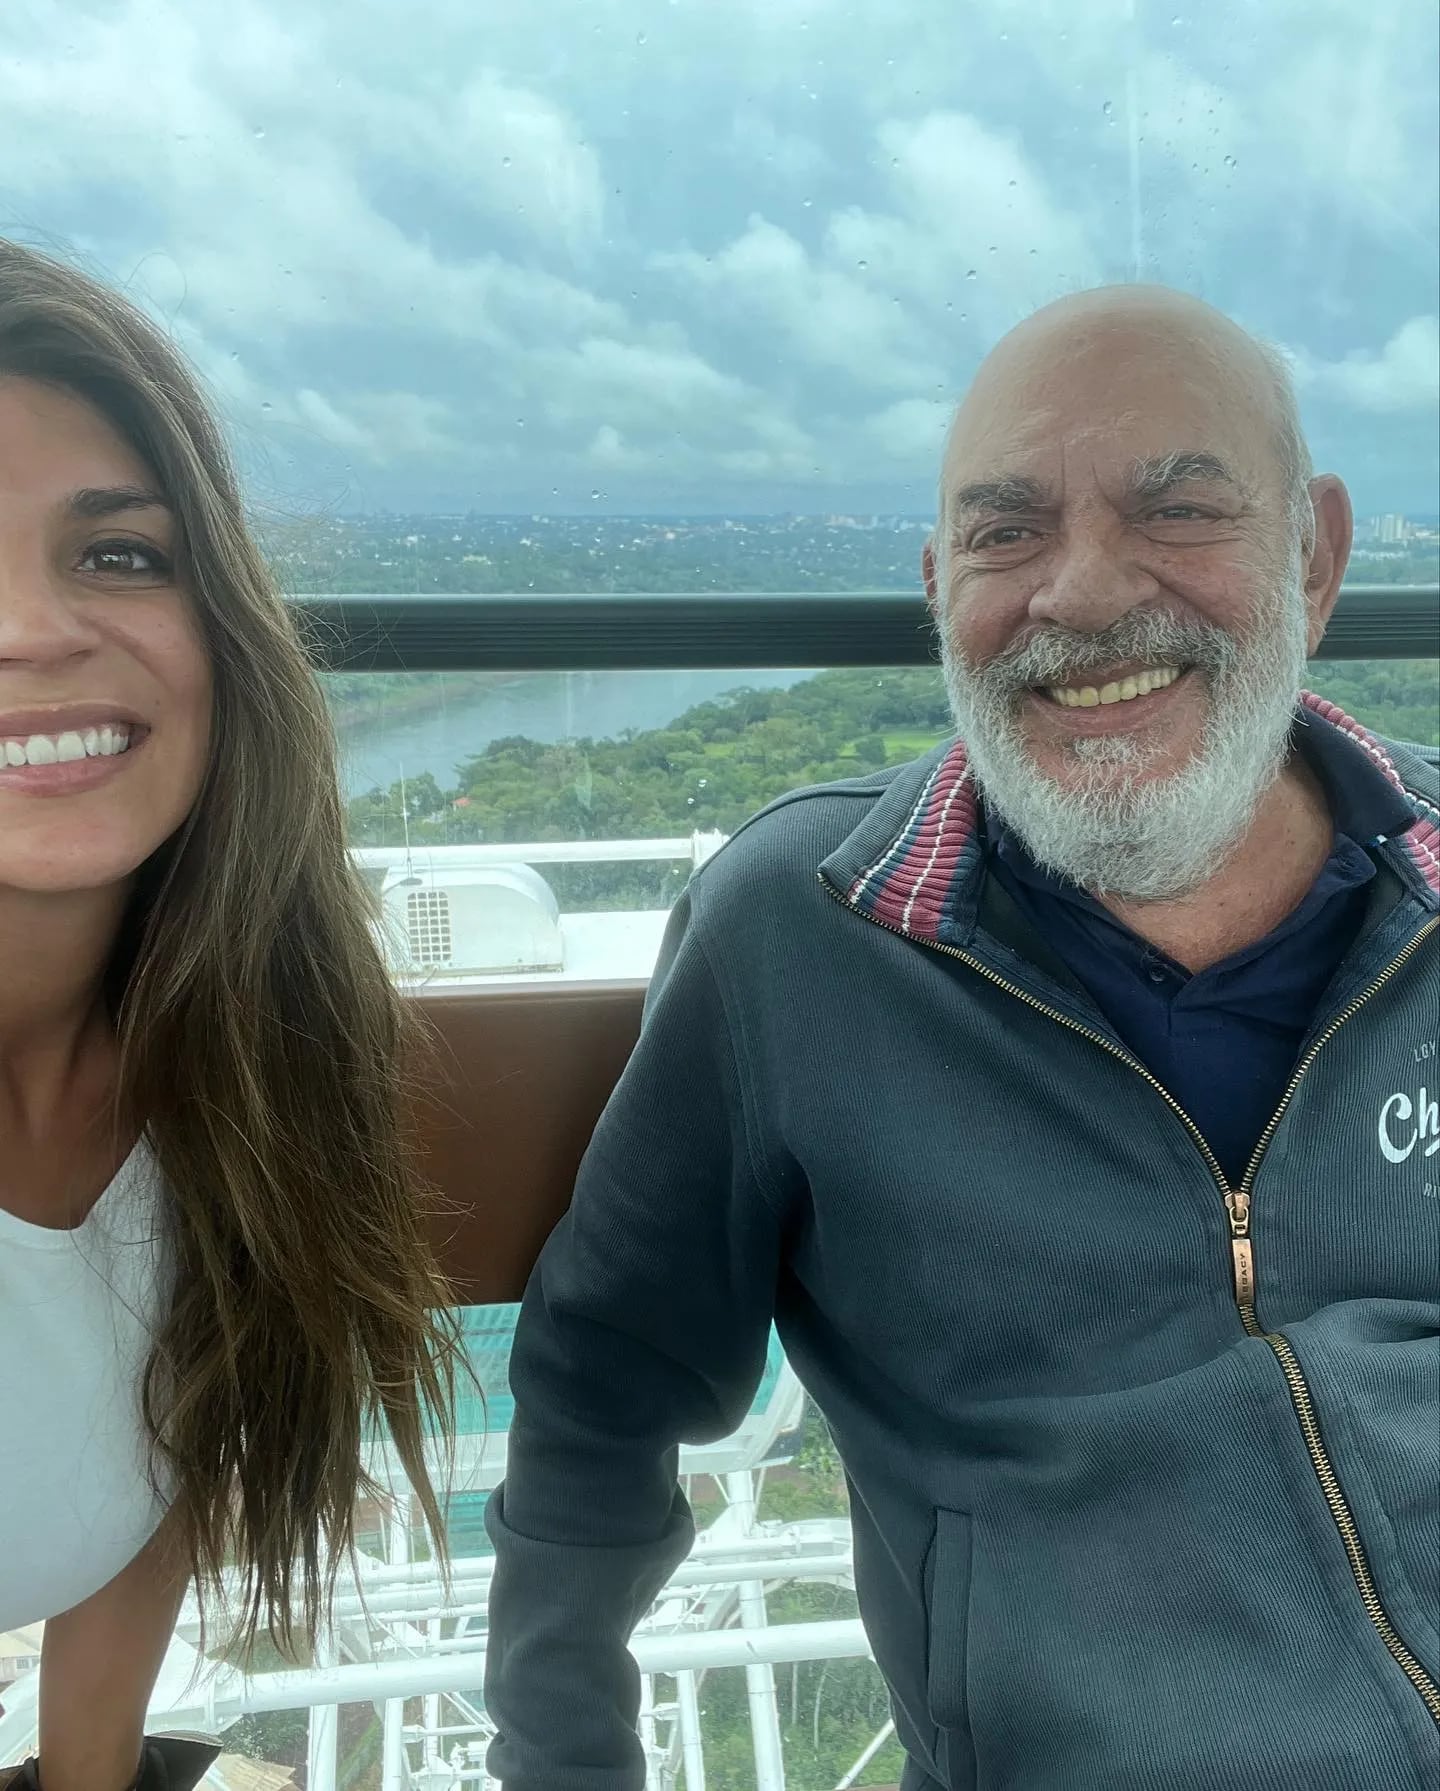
[[1224, 1042]]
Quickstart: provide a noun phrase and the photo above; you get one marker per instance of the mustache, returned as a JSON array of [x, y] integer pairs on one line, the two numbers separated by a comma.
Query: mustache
[[1059, 655]]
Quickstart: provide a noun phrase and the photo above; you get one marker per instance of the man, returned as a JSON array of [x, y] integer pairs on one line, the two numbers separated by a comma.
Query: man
[[1062, 1096]]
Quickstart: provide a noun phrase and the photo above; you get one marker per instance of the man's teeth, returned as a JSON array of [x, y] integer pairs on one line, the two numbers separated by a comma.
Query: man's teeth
[[1086, 696], [60, 749]]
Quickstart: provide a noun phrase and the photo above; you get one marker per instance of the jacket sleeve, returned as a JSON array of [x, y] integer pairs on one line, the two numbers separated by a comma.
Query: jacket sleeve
[[645, 1324]]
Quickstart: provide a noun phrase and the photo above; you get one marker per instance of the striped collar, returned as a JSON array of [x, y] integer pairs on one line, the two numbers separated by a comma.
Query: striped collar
[[923, 879]]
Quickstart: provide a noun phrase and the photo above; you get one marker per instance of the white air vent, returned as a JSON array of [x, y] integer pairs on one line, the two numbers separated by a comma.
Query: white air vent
[[427, 927], [462, 921]]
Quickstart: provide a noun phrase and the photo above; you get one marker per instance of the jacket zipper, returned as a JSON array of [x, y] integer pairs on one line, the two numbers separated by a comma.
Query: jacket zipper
[[1237, 1206]]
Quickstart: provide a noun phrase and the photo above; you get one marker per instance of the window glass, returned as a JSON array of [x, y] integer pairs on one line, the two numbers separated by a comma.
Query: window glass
[[614, 296], [446, 772]]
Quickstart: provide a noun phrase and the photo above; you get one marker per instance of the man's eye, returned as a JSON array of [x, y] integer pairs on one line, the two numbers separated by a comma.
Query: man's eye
[[1176, 513], [125, 559], [1009, 534]]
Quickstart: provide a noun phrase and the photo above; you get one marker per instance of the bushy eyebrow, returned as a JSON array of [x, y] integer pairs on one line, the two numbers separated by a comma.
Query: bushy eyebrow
[[1005, 496], [1161, 473], [1150, 477], [113, 500]]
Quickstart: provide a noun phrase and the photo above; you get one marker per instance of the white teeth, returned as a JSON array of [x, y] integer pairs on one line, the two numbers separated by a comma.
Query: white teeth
[[66, 748], [1086, 696]]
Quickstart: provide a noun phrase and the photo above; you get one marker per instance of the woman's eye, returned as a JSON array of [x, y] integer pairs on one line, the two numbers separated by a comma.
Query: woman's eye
[[125, 559]]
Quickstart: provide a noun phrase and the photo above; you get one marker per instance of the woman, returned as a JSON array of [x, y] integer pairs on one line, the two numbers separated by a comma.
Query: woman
[[211, 1253]]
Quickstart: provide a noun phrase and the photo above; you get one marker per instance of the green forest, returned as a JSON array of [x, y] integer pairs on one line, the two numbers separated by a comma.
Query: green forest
[[722, 760]]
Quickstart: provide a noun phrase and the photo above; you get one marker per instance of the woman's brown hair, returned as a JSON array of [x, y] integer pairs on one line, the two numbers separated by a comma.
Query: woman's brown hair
[[261, 1044]]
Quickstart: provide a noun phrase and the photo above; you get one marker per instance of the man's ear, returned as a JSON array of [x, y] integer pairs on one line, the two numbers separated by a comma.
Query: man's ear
[[930, 573], [1324, 566]]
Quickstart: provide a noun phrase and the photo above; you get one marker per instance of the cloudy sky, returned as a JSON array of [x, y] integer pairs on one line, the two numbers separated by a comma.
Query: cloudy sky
[[734, 255]]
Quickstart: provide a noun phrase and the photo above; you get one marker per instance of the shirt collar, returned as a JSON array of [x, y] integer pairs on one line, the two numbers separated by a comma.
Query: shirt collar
[[915, 862]]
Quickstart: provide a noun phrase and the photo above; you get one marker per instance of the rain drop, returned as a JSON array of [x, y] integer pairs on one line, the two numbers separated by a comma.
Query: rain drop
[[1108, 109], [266, 405], [1230, 161], [862, 265], [504, 161], [970, 273], [640, 38], [259, 132], [595, 497], [234, 354]]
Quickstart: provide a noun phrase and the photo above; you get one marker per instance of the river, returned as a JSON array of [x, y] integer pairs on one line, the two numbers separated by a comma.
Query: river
[[434, 730]]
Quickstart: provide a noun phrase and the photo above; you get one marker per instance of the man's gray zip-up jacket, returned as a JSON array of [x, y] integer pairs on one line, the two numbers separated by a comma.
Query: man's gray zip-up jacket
[[1144, 1469]]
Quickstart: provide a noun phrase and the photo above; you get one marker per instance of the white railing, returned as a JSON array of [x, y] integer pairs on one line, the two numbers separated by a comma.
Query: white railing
[[696, 847]]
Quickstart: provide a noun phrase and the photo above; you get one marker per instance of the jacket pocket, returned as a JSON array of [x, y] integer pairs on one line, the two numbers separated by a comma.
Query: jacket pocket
[[947, 1599]]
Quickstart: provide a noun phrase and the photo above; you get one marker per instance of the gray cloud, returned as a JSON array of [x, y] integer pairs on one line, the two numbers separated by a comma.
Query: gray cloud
[[735, 256]]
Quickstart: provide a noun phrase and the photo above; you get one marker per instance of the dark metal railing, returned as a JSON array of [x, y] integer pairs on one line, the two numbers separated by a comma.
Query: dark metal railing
[[391, 632]]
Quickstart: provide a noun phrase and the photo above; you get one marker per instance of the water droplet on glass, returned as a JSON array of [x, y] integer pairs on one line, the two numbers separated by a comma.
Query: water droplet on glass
[[1230, 161], [862, 265], [639, 37], [504, 161], [970, 273], [595, 496], [259, 132], [807, 203], [266, 405], [1108, 109]]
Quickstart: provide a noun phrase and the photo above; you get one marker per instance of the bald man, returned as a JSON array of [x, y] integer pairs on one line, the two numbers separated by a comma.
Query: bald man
[[1062, 1097]]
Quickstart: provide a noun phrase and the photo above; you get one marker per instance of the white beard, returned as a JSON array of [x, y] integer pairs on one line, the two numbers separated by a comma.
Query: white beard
[[1145, 839]]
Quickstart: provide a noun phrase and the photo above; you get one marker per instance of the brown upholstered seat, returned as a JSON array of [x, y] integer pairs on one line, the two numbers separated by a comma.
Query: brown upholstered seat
[[509, 1099]]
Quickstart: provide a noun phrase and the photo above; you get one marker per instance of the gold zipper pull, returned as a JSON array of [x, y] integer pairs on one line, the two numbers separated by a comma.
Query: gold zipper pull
[[1237, 1204]]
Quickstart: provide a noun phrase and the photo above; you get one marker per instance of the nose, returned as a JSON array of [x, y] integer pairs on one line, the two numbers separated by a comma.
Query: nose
[[39, 623], [1092, 582]]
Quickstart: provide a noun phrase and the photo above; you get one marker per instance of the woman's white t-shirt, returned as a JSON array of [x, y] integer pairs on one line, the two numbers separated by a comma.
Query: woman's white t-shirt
[[78, 1314]]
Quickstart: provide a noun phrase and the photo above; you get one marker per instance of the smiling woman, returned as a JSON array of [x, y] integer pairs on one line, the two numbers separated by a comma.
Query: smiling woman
[[210, 1237]]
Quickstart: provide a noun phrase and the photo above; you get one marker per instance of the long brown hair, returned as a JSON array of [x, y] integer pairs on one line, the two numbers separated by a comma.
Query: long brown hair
[[261, 1044]]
